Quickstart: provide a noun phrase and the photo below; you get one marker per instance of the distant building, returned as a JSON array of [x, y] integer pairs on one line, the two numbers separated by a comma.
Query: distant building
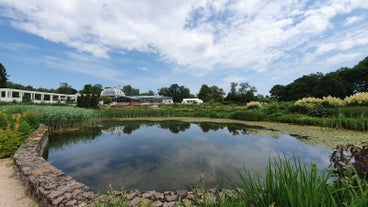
[[192, 101], [18, 95], [118, 96]]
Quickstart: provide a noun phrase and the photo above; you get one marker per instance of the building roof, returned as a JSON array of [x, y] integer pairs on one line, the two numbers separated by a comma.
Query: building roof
[[112, 92]]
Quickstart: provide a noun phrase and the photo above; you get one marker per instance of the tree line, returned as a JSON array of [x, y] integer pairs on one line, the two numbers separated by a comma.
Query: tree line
[[341, 83]]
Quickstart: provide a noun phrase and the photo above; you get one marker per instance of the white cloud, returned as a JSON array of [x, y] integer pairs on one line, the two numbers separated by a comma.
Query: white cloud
[[352, 20], [195, 35]]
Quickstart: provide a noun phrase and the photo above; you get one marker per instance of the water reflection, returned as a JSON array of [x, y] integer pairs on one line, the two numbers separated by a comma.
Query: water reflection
[[171, 155]]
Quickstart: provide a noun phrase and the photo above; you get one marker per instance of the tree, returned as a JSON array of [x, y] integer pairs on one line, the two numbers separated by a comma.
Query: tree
[[176, 92], [130, 91], [212, 93], [278, 92], [149, 93], [65, 88], [3, 76], [92, 89], [217, 93], [204, 93], [341, 83], [331, 85], [244, 94]]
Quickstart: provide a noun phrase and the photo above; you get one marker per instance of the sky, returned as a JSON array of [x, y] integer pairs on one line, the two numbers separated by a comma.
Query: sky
[[150, 44]]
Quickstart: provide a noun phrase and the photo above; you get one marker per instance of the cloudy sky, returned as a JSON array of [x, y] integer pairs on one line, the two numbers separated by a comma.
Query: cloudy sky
[[151, 44]]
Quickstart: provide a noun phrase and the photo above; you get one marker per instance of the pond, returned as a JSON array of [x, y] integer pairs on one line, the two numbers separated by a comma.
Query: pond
[[172, 155]]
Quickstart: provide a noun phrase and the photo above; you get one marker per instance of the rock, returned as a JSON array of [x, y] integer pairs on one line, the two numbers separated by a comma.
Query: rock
[[159, 196], [169, 204], [157, 204], [71, 203], [135, 202], [171, 197], [148, 194], [130, 195]]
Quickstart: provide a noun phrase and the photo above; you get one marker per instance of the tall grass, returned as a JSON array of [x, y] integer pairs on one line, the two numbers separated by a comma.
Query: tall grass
[[291, 183], [57, 117]]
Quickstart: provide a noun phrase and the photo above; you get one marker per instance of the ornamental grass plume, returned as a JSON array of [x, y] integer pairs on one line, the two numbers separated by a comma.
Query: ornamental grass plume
[[308, 102], [359, 99], [331, 101], [253, 105]]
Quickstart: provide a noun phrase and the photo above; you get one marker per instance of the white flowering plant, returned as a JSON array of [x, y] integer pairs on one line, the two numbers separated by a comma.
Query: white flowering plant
[[359, 99], [253, 105]]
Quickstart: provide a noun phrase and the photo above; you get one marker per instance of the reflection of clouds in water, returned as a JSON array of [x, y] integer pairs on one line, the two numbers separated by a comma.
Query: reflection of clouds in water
[[153, 157]]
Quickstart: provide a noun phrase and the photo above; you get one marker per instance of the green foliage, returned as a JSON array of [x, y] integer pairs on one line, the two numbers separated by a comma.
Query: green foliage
[[105, 99], [88, 101], [341, 83], [212, 93], [15, 128], [176, 92], [291, 183], [130, 91], [242, 94], [56, 117], [249, 115], [65, 88], [3, 76], [95, 89]]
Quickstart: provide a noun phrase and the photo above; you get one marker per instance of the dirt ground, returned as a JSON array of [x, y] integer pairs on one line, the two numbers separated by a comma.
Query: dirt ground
[[12, 192]]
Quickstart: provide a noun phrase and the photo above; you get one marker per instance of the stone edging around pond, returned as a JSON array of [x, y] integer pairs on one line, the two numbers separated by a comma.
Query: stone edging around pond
[[47, 184], [51, 187]]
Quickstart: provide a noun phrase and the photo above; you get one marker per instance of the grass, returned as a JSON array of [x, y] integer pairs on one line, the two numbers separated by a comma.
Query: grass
[[56, 117]]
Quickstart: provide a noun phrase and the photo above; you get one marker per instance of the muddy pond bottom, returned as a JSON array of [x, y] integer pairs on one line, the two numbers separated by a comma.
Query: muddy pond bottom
[[172, 155]]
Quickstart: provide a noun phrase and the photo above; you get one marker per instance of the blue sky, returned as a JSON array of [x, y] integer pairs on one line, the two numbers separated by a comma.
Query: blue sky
[[153, 44]]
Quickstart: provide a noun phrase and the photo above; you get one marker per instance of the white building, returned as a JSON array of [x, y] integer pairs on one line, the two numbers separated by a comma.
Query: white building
[[17, 95], [192, 101]]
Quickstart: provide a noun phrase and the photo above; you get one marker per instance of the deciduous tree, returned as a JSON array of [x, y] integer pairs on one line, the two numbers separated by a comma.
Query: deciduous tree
[[3, 76]]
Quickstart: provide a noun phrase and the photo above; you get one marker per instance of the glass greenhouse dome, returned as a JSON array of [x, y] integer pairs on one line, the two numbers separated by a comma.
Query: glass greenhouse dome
[[112, 92]]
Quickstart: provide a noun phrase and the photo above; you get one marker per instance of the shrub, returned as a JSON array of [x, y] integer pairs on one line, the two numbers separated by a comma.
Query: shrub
[[359, 99]]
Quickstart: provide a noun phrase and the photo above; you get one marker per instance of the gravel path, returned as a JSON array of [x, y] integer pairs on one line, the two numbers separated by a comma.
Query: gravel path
[[12, 193]]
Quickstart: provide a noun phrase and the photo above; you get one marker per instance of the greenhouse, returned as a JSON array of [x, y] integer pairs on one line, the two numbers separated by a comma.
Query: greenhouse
[[118, 96]]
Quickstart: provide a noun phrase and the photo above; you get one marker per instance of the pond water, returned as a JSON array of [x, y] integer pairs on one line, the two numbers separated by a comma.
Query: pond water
[[172, 155]]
